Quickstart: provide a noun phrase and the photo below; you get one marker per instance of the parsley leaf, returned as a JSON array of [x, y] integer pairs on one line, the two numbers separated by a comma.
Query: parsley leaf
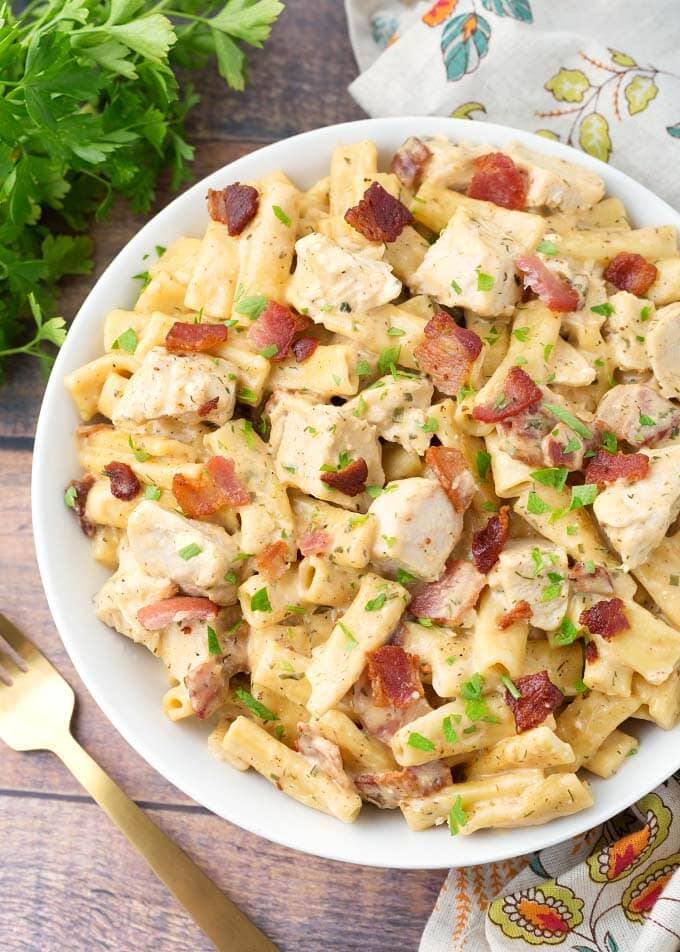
[[259, 602], [555, 476], [257, 707]]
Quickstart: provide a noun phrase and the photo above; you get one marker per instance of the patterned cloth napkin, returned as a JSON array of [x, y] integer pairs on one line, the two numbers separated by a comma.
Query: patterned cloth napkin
[[604, 77]]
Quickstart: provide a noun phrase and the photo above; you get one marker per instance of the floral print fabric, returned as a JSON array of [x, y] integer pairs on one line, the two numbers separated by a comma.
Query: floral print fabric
[[600, 76]]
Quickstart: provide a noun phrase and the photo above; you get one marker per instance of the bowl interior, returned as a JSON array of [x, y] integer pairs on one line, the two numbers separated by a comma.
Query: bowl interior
[[128, 682]]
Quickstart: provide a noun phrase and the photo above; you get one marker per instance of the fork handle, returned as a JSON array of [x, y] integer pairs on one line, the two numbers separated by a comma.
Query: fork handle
[[217, 916]]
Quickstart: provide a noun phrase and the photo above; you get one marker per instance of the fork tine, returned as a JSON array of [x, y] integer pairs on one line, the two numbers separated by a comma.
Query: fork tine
[[14, 646]]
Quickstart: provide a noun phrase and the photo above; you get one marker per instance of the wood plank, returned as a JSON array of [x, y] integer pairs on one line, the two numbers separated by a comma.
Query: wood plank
[[68, 880]]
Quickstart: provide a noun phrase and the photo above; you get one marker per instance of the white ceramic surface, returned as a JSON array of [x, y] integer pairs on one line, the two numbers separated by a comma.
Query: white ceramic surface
[[127, 682]]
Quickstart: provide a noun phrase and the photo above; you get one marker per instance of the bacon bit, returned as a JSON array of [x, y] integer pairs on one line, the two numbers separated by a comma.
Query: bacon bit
[[447, 352], [606, 618], [590, 652], [409, 161], [271, 561], [487, 544], [453, 473], [314, 542], [448, 600], [519, 393], [631, 272], [183, 338], [351, 480], [557, 456], [389, 788], [223, 471], [124, 483], [607, 467], [304, 348], [205, 685], [179, 608], [235, 206], [497, 179], [539, 697], [394, 677], [275, 327], [555, 291], [82, 488], [597, 582], [208, 407], [520, 611], [379, 216]]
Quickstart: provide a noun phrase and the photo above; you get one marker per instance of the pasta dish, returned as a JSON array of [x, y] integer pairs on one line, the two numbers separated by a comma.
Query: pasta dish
[[387, 472]]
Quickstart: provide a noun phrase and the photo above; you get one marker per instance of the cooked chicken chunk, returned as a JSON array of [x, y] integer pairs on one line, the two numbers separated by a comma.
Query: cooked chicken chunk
[[622, 409], [397, 409], [536, 572], [626, 330], [663, 347], [555, 183]]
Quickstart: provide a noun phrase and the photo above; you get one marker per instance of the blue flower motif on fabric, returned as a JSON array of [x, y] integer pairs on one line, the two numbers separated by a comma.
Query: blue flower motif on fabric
[[464, 43], [383, 28], [517, 9]]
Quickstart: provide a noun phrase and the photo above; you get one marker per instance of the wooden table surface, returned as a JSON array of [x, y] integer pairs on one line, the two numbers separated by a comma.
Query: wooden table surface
[[68, 879]]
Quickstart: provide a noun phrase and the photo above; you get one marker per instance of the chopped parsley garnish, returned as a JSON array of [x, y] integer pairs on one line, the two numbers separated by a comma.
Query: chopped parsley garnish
[[374, 491], [580, 687], [645, 313], [431, 425], [295, 609], [405, 578], [351, 642], [251, 307], [522, 334], [127, 341], [143, 276], [140, 455], [344, 459], [646, 420], [247, 432], [70, 497], [569, 419], [419, 742], [450, 735], [289, 468], [242, 556], [257, 707], [567, 633], [571, 530], [472, 689], [547, 351], [547, 247], [484, 281], [465, 391], [189, 551], [426, 622], [395, 332], [358, 521], [375, 604], [537, 559], [489, 506], [555, 476], [554, 590], [388, 359], [511, 686], [230, 578], [535, 505], [457, 816], [363, 369], [583, 495], [520, 361], [456, 287], [482, 463], [281, 215], [247, 396], [499, 402], [270, 351], [213, 642], [572, 446], [360, 408], [389, 541], [606, 310], [259, 602], [152, 492]]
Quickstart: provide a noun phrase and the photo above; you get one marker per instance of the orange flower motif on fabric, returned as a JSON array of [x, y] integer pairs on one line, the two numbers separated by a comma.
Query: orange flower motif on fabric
[[639, 899], [544, 914], [439, 11], [611, 862]]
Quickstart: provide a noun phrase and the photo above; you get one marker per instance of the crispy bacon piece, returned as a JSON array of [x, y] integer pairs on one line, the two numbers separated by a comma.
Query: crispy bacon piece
[[205, 685], [631, 272], [234, 206], [606, 618], [519, 393], [448, 600], [487, 544], [383, 722], [539, 697], [555, 291], [447, 352], [497, 179], [453, 473], [276, 327], [520, 611], [82, 488], [389, 788], [179, 608], [394, 677], [271, 561], [304, 348], [590, 652], [208, 406], [597, 582], [351, 480], [223, 471], [409, 161], [314, 542], [183, 338], [379, 216], [124, 483], [607, 467]]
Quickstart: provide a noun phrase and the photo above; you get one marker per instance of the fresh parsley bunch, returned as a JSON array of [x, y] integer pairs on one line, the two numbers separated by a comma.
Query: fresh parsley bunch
[[91, 108]]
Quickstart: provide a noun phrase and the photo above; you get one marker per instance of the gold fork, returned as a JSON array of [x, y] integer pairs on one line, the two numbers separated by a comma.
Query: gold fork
[[36, 706]]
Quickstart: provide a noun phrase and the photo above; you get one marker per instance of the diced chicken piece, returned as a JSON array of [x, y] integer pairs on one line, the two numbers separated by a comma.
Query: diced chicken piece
[[452, 163], [322, 754], [555, 183], [636, 516], [195, 555], [397, 409], [330, 278], [663, 347], [306, 437], [568, 366], [472, 263], [622, 409], [188, 390], [417, 528], [389, 788], [535, 572], [625, 330], [128, 590], [666, 288]]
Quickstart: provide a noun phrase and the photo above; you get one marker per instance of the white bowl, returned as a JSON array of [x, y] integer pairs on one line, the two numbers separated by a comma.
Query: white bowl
[[127, 682]]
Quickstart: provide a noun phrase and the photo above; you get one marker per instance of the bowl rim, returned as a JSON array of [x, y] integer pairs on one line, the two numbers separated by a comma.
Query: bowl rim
[[419, 850]]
